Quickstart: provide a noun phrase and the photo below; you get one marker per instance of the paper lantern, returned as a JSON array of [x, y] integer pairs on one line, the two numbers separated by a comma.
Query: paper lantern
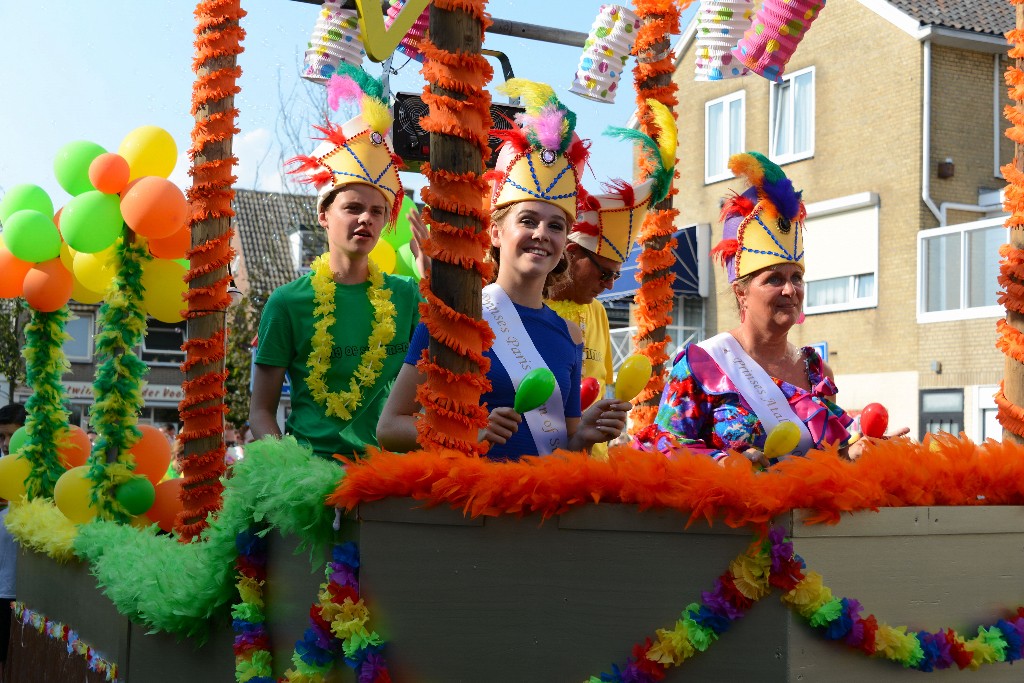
[[335, 39], [605, 53], [720, 25], [775, 31], [418, 30]]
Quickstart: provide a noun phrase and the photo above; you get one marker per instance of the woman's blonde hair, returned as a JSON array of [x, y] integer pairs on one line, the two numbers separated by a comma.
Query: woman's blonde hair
[[558, 274]]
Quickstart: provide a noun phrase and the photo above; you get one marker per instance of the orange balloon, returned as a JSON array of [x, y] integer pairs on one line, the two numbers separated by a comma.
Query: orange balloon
[[152, 454], [154, 207], [73, 447], [173, 247], [167, 504], [12, 274], [109, 173], [48, 285]]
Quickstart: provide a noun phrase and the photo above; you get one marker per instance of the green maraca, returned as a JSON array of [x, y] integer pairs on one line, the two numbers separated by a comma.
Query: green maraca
[[534, 391]]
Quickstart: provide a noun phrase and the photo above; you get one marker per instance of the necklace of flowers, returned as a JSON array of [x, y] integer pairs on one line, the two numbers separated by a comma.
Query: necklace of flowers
[[771, 563], [337, 622], [570, 310], [341, 403]]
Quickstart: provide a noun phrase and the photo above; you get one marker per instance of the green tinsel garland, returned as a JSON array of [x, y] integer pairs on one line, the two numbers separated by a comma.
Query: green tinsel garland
[[174, 587], [118, 383], [45, 364]]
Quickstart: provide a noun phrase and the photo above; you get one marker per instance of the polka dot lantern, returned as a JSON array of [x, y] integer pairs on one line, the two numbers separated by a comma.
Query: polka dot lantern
[[605, 54], [418, 30], [720, 25], [335, 39], [775, 31]]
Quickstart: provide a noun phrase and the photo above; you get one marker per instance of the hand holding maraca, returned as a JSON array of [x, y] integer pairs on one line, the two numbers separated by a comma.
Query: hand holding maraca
[[605, 419], [533, 392]]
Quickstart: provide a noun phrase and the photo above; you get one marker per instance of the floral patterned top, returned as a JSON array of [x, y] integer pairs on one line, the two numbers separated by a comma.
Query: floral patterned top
[[703, 411]]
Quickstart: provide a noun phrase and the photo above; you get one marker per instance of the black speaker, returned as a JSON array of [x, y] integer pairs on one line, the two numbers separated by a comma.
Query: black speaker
[[412, 143]]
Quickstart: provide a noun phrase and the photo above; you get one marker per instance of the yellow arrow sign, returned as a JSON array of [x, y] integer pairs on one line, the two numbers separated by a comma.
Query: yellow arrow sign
[[381, 42]]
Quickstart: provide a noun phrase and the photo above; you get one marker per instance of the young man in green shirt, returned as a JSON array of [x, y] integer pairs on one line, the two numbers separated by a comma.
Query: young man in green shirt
[[341, 332]]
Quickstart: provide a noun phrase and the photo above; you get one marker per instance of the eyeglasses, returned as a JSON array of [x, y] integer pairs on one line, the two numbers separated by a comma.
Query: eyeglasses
[[604, 274]]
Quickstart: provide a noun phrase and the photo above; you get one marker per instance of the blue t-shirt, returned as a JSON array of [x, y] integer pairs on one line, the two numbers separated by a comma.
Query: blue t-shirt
[[563, 357]]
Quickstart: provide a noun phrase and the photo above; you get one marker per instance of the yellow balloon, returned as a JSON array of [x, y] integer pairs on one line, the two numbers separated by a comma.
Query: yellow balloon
[[782, 440], [67, 256], [84, 295], [149, 150], [165, 287], [384, 256], [73, 495], [94, 271], [14, 470], [634, 374]]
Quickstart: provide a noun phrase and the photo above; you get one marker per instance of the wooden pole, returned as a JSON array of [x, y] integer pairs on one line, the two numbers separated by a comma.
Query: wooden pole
[[1013, 372]]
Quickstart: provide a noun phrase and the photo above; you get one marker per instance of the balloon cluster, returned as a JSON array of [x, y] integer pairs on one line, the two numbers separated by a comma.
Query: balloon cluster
[[393, 253], [51, 258], [142, 494]]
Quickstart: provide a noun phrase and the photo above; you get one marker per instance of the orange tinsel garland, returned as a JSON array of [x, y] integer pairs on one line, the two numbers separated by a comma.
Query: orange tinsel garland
[[1011, 266], [218, 40], [897, 473], [452, 415], [658, 20]]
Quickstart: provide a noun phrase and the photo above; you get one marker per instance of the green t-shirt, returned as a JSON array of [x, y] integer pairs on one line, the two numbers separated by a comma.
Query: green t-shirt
[[286, 331]]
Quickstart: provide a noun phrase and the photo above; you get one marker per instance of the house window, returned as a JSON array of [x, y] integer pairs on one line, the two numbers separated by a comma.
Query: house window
[[724, 135], [841, 254], [942, 410], [78, 348], [791, 124], [162, 343], [958, 269], [306, 244]]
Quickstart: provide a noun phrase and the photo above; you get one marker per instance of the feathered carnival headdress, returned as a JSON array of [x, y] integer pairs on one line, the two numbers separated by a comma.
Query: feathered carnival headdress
[[610, 223], [541, 157], [764, 226], [358, 151]]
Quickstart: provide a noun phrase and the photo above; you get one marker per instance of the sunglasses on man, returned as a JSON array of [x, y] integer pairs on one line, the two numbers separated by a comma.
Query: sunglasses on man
[[604, 274]]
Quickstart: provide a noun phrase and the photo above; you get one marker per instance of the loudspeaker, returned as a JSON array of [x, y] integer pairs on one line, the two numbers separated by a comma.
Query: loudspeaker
[[412, 143]]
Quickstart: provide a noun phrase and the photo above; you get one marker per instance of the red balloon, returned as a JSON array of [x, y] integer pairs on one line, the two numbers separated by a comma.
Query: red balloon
[[12, 274], [73, 447], [874, 420], [152, 454], [166, 504], [154, 207], [589, 389], [109, 173], [173, 247], [48, 285]]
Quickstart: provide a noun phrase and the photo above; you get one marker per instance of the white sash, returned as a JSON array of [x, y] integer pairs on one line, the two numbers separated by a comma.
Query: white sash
[[514, 348], [762, 394]]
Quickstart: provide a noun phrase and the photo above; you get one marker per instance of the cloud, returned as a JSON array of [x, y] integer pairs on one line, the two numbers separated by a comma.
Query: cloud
[[258, 168]]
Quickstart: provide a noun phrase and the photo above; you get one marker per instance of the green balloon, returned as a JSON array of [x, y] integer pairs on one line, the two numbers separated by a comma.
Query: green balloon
[[22, 197], [535, 389], [71, 165], [405, 264], [136, 495], [403, 230], [92, 221], [18, 439], [183, 262], [32, 236]]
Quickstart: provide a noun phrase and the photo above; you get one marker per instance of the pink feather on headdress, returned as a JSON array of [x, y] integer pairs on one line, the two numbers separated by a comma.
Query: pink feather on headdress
[[342, 88], [549, 126]]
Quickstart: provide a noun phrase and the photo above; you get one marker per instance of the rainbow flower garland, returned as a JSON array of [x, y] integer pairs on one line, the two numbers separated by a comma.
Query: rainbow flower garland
[[771, 563], [342, 403], [252, 642], [58, 631], [337, 622]]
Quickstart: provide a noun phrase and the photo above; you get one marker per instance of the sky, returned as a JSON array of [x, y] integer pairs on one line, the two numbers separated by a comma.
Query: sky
[[97, 69]]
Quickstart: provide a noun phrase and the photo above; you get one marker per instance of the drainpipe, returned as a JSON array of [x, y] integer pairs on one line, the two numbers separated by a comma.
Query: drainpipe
[[926, 135]]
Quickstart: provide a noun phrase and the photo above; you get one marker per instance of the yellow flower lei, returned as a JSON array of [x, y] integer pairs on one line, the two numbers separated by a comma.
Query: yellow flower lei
[[570, 310], [342, 403]]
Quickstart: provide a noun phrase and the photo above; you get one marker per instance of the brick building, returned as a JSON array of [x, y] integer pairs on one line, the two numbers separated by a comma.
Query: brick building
[[890, 120]]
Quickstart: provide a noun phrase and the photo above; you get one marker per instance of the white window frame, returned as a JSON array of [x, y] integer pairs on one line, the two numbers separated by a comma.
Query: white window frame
[[725, 101], [179, 355], [961, 313], [773, 95], [90, 342], [853, 202]]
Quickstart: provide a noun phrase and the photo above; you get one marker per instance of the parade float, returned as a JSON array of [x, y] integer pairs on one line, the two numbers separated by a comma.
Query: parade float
[[439, 565]]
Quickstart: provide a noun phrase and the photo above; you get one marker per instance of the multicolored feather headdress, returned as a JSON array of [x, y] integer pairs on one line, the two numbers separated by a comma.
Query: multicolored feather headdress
[[358, 151], [541, 157], [764, 226], [610, 223]]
